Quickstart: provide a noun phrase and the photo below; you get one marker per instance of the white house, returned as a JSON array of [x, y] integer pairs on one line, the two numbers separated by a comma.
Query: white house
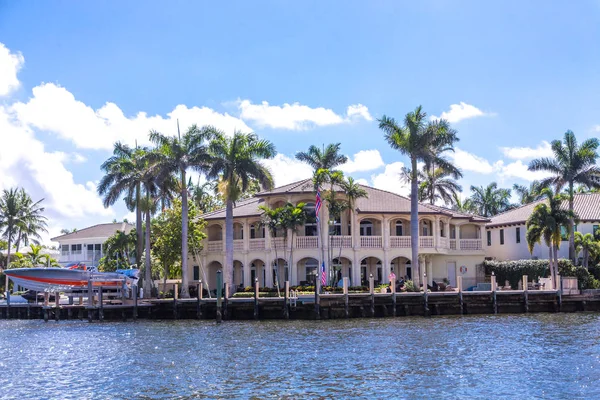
[[87, 245], [505, 234]]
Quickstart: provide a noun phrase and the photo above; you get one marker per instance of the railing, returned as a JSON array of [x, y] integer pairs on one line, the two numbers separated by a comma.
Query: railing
[[215, 245], [371, 241], [307, 242], [238, 245], [340, 241], [278, 243], [426, 241], [452, 244], [443, 243], [403, 242], [470, 244], [257, 244]]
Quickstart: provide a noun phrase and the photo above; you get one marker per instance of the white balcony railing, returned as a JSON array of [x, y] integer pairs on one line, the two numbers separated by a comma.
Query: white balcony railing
[[402, 242], [443, 243], [340, 241], [278, 243], [452, 244], [238, 245], [470, 244], [257, 244], [371, 241], [307, 242], [215, 245], [426, 241]]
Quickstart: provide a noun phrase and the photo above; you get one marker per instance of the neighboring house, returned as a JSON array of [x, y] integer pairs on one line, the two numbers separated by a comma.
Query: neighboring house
[[87, 245], [373, 240], [506, 233]]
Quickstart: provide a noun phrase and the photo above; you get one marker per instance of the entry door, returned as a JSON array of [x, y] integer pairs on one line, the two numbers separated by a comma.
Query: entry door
[[451, 273]]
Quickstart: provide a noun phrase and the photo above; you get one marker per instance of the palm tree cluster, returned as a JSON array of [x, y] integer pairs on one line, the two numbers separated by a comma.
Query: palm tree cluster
[[21, 219], [150, 178]]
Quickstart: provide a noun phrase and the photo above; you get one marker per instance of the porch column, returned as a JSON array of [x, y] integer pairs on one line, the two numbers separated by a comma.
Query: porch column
[[429, 264], [268, 271], [436, 232], [386, 266], [355, 230], [386, 232], [356, 269], [246, 269], [246, 230], [457, 236]]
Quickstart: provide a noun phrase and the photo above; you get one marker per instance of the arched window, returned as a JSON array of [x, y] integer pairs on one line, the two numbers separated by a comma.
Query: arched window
[[366, 228], [257, 231]]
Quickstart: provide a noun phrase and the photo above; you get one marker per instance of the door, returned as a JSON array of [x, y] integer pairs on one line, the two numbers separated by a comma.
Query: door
[[451, 273]]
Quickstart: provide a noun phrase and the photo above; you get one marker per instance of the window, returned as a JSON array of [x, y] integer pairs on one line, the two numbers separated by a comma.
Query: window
[[256, 231], [310, 227], [252, 274], [425, 229], [489, 238], [366, 228], [64, 250], [311, 271], [501, 236], [442, 229], [399, 229], [335, 226], [518, 234], [196, 273], [75, 249]]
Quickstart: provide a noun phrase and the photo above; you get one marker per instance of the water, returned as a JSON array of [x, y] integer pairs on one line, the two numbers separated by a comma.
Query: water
[[513, 356]]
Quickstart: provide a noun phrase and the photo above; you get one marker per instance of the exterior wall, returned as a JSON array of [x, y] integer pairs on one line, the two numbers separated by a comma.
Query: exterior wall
[[511, 250], [90, 258]]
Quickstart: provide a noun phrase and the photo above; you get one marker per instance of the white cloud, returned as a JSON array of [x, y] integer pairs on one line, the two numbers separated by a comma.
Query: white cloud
[[521, 153], [364, 160], [519, 170], [470, 162], [461, 111], [297, 116], [596, 128], [287, 170], [78, 158], [54, 109], [10, 64], [362, 181], [390, 180]]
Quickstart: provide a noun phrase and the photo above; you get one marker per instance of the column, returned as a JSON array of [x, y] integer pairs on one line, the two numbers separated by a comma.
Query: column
[[355, 230], [457, 236], [429, 264], [246, 270], [386, 266], [386, 232], [268, 271], [356, 269], [436, 231], [246, 229]]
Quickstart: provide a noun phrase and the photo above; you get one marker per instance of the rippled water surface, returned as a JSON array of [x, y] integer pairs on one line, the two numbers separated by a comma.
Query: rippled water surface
[[521, 356]]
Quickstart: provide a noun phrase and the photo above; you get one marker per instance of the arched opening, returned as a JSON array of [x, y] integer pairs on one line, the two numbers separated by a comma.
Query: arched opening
[[280, 272], [238, 231], [341, 267], [257, 230], [402, 268], [212, 269], [371, 266], [469, 231], [258, 270], [425, 227], [307, 271], [400, 227], [238, 275], [215, 233]]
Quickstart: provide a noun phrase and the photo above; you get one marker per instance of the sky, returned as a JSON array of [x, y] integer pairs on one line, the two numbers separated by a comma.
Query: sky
[[76, 76]]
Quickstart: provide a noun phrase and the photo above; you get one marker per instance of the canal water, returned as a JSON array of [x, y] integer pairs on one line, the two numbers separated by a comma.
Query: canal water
[[511, 356]]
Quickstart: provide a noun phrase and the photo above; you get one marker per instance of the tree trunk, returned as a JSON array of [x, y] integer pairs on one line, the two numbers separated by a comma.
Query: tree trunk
[[551, 263], [139, 245], [147, 264], [414, 225], [586, 256], [18, 242], [229, 243], [571, 226], [290, 265], [185, 294], [556, 283]]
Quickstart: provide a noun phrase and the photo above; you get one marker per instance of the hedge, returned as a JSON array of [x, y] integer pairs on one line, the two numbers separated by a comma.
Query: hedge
[[513, 271]]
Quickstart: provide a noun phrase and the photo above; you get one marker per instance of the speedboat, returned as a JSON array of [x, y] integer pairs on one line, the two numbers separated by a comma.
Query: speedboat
[[73, 276]]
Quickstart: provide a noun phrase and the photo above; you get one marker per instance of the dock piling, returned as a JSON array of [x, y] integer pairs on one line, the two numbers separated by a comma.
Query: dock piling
[[372, 292], [286, 299], [219, 294], [135, 301], [225, 300], [346, 299], [525, 294], [459, 284], [255, 298], [101, 304]]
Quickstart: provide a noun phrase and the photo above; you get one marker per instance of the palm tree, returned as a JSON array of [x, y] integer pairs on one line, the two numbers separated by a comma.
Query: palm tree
[[235, 162], [572, 163], [202, 195], [19, 212], [421, 141], [587, 245], [529, 194], [490, 200], [272, 219], [294, 216], [328, 158], [32, 222], [353, 192], [438, 184], [119, 246], [463, 206], [176, 156], [123, 172], [545, 223]]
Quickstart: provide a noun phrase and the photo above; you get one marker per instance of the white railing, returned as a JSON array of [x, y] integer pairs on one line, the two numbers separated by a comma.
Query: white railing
[[278, 243], [340, 241], [257, 244], [238, 245], [215, 245], [452, 244], [426, 241], [443, 243], [371, 241], [470, 244], [403, 242], [307, 242]]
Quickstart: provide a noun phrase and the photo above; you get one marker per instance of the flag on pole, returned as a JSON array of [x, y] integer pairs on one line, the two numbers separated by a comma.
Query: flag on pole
[[323, 275], [318, 204]]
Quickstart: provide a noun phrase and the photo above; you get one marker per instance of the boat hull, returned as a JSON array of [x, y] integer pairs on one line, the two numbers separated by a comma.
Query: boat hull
[[61, 279]]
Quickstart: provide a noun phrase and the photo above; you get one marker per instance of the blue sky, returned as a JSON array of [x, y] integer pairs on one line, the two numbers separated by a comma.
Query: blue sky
[[75, 76]]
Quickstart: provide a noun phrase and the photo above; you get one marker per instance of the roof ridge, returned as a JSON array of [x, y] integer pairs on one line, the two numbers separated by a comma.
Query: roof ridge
[[398, 195]]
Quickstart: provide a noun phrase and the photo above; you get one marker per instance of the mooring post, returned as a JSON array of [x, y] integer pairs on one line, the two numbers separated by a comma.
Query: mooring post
[[425, 295], [101, 304], [525, 294], [219, 294], [56, 306], [346, 299], [46, 299], [286, 299], [459, 284], [175, 297], [393, 287], [256, 298], [199, 304], [134, 289], [494, 299], [90, 294], [317, 298], [372, 292], [226, 301], [198, 301]]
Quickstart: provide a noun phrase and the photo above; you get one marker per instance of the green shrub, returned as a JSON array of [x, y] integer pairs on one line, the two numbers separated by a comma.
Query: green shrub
[[411, 287]]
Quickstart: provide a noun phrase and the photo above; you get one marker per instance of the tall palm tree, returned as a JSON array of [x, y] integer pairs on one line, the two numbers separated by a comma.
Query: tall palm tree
[[18, 211], [272, 219], [119, 246], [545, 223], [235, 162], [572, 164], [123, 172], [294, 216], [587, 245], [490, 200], [177, 155], [32, 222], [464, 206], [353, 191], [202, 195], [438, 184], [328, 158], [528, 194], [421, 141]]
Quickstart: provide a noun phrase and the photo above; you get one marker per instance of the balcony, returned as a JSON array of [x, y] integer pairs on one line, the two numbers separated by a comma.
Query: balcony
[[257, 244], [400, 242], [238, 245], [470, 244], [278, 243], [340, 242], [215, 245], [307, 242], [371, 241]]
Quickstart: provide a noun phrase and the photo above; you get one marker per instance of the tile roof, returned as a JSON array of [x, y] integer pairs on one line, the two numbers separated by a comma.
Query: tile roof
[[586, 206], [97, 231], [379, 201]]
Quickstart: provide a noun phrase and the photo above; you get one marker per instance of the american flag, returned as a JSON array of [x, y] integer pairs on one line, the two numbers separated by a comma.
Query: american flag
[[318, 204], [323, 277]]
